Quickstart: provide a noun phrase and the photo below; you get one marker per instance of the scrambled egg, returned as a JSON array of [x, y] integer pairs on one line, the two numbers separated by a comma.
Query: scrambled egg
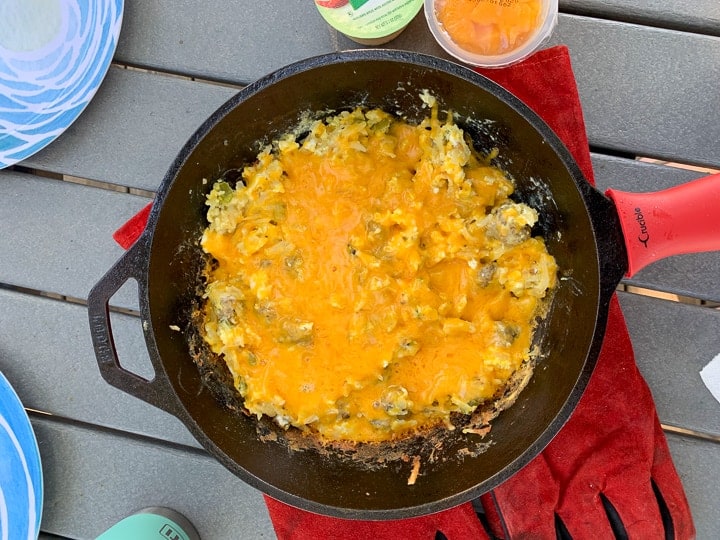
[[371, 277]]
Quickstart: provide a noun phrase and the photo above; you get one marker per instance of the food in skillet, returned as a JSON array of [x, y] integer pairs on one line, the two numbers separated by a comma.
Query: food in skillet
[[370, 278]]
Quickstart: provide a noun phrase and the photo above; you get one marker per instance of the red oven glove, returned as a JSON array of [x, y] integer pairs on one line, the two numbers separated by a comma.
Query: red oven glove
[[608, 473]]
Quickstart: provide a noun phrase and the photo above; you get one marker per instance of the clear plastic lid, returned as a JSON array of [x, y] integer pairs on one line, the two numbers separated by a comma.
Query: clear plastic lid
[[491, 33]]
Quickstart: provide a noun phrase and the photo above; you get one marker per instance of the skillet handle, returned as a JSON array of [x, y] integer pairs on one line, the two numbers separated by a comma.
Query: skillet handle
[[674, 221], [157, 391]]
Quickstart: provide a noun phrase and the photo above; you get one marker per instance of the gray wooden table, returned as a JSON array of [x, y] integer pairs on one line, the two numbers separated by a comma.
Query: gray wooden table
[[649, 78]]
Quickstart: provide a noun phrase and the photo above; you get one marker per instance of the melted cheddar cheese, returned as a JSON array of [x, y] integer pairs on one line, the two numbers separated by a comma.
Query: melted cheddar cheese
[[371, 277]]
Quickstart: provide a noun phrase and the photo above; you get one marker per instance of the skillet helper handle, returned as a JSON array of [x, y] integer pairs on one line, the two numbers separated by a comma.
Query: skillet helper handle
[[157, 391], [674, 221]]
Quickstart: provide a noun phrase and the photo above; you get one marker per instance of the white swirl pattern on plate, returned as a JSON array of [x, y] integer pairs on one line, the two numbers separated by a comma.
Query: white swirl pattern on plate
[[20, 470], [43, 90], [21, 499]]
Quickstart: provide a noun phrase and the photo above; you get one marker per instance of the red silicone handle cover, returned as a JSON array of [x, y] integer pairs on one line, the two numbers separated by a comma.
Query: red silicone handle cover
[[682, 219]]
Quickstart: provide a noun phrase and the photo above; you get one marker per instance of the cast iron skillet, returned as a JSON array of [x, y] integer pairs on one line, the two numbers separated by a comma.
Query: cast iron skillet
[[581, 227]]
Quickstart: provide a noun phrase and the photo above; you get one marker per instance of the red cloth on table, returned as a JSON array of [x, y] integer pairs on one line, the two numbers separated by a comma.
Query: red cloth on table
[[611, 449]]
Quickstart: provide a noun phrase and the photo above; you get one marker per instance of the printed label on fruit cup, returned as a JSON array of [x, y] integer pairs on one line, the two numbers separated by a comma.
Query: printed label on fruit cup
[[501, 3], [368, 19]]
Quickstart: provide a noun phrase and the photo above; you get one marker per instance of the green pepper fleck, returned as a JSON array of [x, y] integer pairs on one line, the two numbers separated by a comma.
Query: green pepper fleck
[[225, 192]]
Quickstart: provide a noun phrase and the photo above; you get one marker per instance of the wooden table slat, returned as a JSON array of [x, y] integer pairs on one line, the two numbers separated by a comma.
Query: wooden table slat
[[690, 15], [672, 343], [235, 42], [698, 464], [59, 374], [133, 129], [639, 92], [61, 239], [93, 479]]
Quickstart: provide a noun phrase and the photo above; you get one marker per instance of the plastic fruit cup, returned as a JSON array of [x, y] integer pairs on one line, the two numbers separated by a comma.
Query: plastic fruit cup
[[369, 22], [491, 33]]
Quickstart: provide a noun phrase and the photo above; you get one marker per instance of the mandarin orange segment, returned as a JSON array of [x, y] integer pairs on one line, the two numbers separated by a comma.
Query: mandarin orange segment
[[489, 27]]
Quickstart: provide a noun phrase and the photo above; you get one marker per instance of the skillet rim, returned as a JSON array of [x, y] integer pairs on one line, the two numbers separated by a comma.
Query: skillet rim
[[589, 195]]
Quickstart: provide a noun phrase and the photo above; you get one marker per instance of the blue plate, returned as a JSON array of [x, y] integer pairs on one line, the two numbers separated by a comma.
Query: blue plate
[[21, 485], [53, 56]]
